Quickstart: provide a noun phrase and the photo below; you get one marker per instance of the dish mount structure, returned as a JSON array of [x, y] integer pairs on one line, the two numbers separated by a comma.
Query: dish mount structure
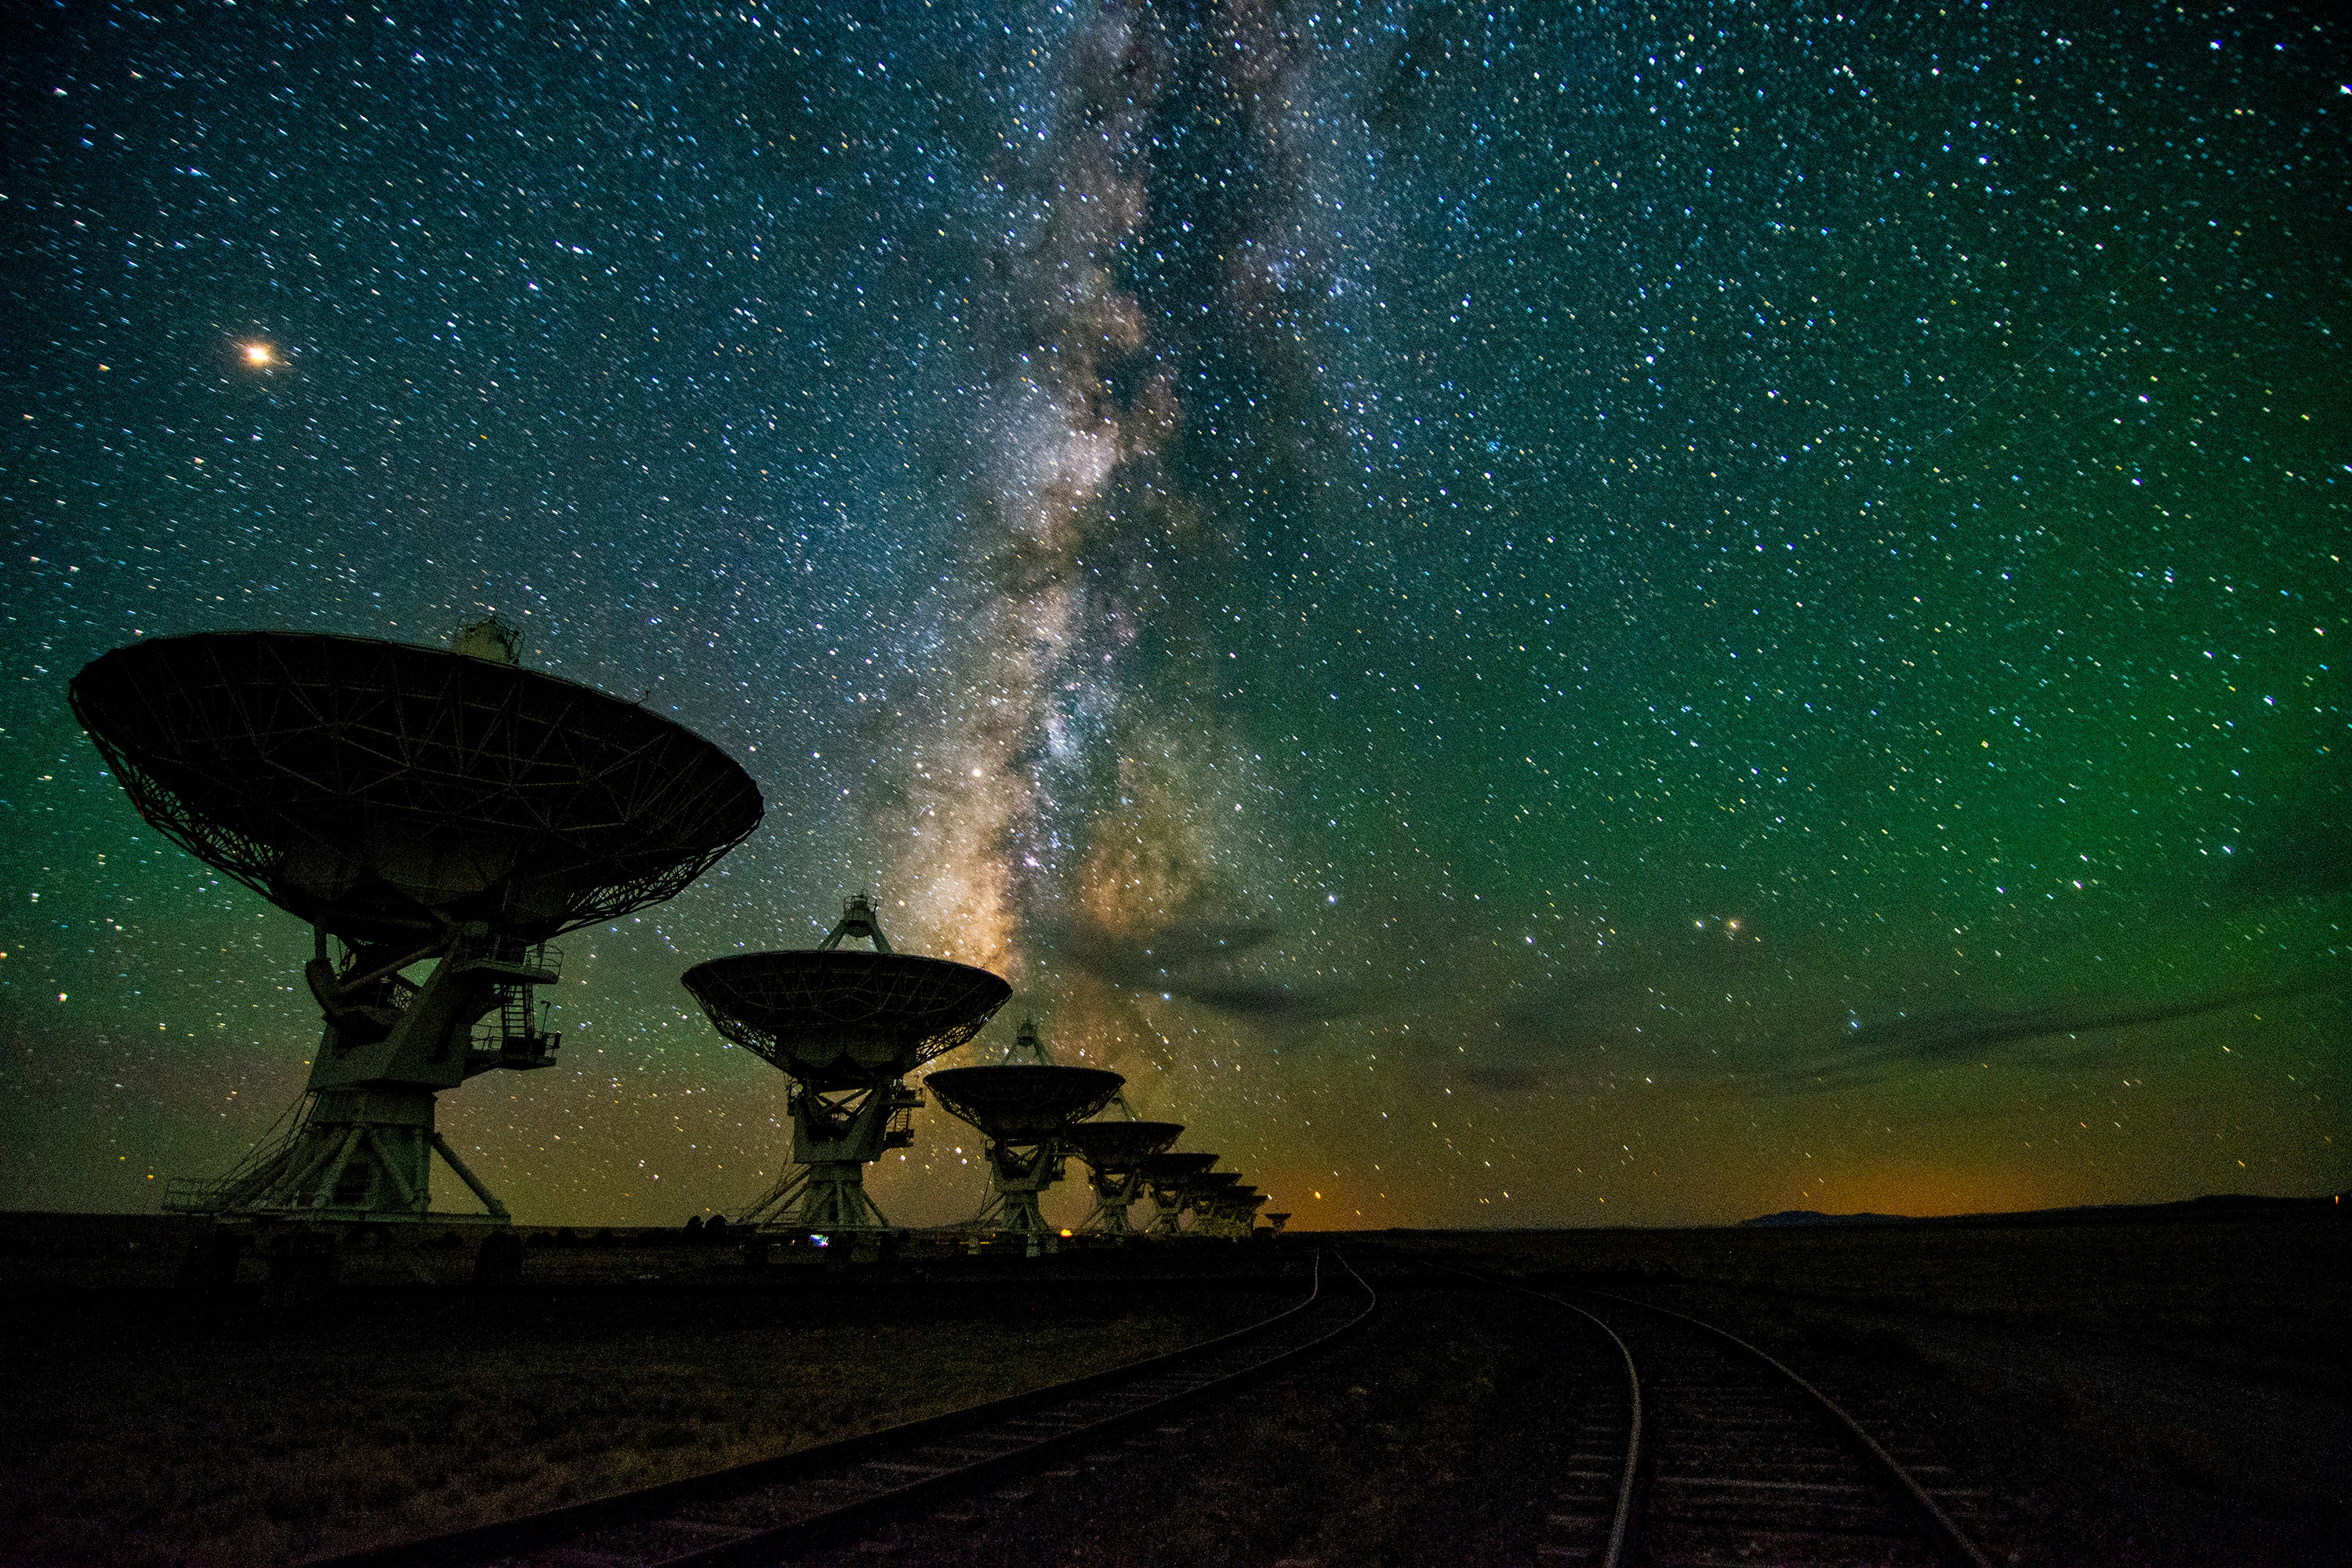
[[1116, 1154], [1023, 1108], [846, 1026], [1231, 1213], [1116, 1150], [1169, 1179], [1203, 1193], [446, 811]]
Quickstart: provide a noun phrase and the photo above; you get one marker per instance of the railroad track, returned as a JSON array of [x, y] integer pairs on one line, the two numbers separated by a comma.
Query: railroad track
[[773, 1510], [1713, 1452]]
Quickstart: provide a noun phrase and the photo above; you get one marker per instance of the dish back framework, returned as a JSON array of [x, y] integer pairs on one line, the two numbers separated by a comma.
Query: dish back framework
[[419, 808]]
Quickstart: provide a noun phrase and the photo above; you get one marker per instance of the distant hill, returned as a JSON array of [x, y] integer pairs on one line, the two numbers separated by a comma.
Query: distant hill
[[2215, 1205]]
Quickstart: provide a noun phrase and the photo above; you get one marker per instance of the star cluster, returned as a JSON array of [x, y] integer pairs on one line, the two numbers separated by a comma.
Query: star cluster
[[1527, 615]]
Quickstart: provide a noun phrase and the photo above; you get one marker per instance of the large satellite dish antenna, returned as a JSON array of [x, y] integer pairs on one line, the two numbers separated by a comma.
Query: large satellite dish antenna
[[1023, 1108], [416, 806], [847, 1026]]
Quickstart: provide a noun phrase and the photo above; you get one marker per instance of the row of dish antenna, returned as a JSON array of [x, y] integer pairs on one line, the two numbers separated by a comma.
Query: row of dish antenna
[[848, 1027], [452, 812]]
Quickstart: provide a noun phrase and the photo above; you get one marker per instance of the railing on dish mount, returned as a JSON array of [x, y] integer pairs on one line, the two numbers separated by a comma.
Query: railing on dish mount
[[514, 1034], [899, 1132], [196, 1194], [218, 1194], [508, 952]]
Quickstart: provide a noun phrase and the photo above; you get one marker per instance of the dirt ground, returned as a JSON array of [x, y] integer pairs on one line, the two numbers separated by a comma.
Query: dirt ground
[[2160, 1393], [2154, 1394], [151, 1425], [1438, 1434]]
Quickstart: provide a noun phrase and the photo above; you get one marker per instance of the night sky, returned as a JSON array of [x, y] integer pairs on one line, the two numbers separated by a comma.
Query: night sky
[[1544, 614]]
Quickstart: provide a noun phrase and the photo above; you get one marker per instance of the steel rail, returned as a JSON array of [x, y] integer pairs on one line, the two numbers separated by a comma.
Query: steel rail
[[1621, 1521], [1016, 1416], [1946, 1537]]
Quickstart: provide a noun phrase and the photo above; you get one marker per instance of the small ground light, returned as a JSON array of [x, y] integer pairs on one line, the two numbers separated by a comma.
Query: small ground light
[[1022, 1105]]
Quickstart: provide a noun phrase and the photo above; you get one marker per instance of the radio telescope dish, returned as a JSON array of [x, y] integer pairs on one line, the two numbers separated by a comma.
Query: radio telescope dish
[[1174, 1166], [1224, 1210], [1237, 1212], [1018, 1104], [837, 1018], [1202, 1192], [1022, 1110], [1120, 1145], [415, 806], [1166, 1177], [382, 792], [846, 1026], [1115, 1154]]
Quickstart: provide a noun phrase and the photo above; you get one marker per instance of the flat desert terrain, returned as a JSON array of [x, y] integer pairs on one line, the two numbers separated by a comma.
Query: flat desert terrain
[[2171, 1392]]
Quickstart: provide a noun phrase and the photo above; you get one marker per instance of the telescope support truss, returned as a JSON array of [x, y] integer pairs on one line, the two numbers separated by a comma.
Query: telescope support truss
[[1015, 1180], [1168, 1206], [1217, 1220], [836, 1134], [1115, 1190], [362, 1147], [1228, 1219]]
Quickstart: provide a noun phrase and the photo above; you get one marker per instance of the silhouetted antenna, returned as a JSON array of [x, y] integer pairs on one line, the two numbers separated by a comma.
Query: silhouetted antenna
[[846, 1026], [1023, 1108], [1116, 1154], [415, 805]]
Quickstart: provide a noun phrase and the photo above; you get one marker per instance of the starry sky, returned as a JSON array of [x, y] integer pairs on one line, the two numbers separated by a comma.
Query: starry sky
[[1542, 615]]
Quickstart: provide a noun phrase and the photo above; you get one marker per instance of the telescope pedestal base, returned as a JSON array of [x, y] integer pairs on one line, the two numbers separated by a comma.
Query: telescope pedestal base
[[1012, 1209], [836, 1133], [1113, 1195], [362, 1153], [821, 1198]]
